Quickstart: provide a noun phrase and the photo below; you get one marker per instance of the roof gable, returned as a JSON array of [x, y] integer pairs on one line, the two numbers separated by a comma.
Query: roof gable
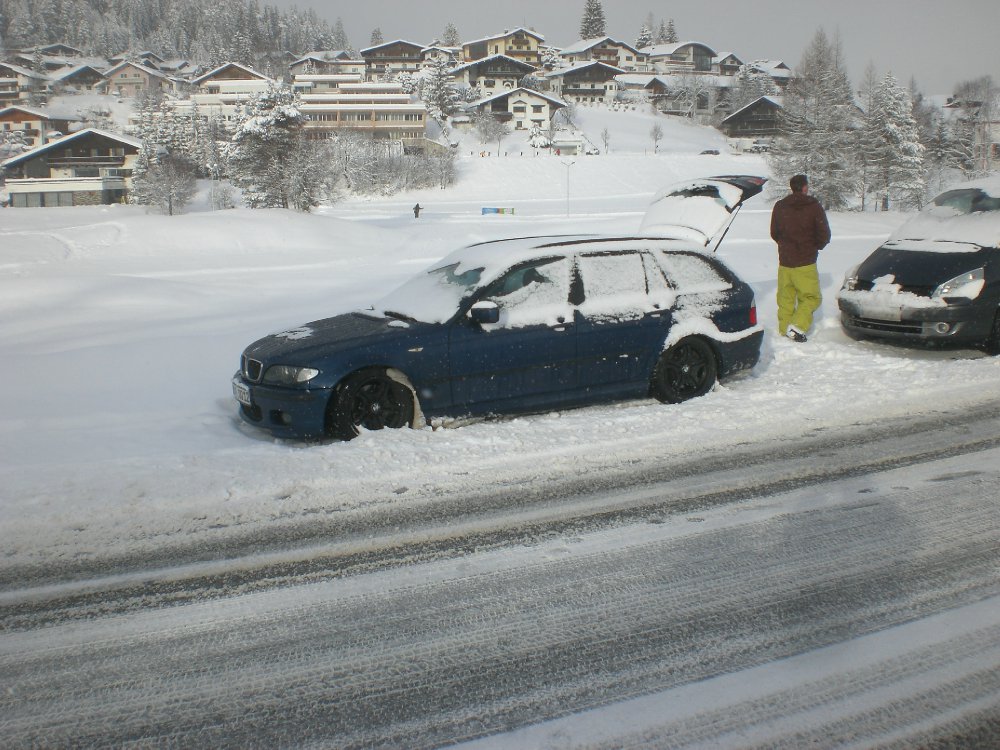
[[67, 139], [247, 73]]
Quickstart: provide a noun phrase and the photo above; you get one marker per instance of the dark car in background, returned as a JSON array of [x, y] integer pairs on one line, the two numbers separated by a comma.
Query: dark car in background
[[936, 280], [522, 325]]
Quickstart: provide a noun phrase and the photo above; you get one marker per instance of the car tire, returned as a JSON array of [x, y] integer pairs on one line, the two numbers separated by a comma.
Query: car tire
[[369, 399], [687, 369], [992, 343]]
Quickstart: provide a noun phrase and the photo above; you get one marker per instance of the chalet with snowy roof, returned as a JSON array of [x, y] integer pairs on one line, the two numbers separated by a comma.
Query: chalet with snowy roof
[[78, 78], [17, 83], [522, 108], [392, 58], [780, 73], [57, 49], [222, 91], [520, 43], [145, 57], [727, 64], [436, 53], [87, 168], [36, 126], [760, 118], [588, 82], [326, 61], [492, 75], [319, 83], [130, 79], [607, 50], [682, 57]]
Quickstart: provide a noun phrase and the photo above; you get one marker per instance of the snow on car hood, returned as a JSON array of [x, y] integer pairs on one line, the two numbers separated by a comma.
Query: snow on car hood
[[698, 210], [961, 219]]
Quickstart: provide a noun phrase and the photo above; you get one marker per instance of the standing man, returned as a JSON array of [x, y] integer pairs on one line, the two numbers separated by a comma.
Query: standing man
[[416, 211], [799, 226]]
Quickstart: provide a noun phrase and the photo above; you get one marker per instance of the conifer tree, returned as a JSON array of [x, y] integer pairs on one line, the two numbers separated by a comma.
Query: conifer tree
[[671, 36], [645, 37], [896, 156], [592, 24], [817, 123], [451, 38], [376, 38]]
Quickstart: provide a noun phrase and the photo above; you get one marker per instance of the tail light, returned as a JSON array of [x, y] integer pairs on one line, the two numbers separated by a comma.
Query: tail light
[[753, 315]]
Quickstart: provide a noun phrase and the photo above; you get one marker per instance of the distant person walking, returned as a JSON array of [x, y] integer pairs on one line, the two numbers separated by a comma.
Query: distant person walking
[[799, 226], [416, 211]]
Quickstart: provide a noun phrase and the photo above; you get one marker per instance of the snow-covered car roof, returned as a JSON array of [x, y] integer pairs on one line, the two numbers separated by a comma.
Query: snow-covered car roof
[[479, 264], [961, 217]]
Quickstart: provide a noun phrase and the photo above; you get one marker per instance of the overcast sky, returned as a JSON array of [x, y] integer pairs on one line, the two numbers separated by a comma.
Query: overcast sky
[[936, 42]]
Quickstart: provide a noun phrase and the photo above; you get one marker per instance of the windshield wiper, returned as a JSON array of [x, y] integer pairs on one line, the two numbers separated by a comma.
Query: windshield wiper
[[399, 316]]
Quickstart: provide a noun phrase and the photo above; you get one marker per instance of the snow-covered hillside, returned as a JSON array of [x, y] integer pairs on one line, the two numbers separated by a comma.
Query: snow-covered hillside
[[120, 330]]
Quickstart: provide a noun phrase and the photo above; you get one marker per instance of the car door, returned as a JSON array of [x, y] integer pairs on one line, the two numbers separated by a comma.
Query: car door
[[621, 327], [527, 359]]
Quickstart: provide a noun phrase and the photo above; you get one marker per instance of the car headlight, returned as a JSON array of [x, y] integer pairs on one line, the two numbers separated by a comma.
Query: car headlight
[[288, 375], [850, 280], [967, 285]]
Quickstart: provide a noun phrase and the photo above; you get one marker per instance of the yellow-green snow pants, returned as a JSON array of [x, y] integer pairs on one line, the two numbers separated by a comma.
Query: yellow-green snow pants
[[798, 297]]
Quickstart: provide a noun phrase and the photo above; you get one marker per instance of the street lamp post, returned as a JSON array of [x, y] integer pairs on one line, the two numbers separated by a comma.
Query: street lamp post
[[567, 164]]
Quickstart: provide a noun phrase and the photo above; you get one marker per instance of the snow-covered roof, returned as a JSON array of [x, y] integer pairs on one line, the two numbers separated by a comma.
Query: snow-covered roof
[[520, 91], [492, 58], [23, 71], [586, 44], [66, 139], [663, 50], [505, 34], [578, 66], [129, 63], [774, 68], [43, 114], [244, 68], [389, 44], [62, 75], [774, 100]]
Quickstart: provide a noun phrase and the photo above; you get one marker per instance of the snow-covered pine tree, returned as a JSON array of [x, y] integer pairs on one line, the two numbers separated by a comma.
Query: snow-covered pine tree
[[592, 24], [451, 37], [817, 123], [751, 84], [439, 92], [645, 37], [340, 41], [896, 157], [376, 38], [270, 159], [661, 33], [671, 33]]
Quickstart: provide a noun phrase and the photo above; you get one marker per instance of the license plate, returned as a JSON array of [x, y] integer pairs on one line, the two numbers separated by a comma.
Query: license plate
[[883, 312], [242, 393]]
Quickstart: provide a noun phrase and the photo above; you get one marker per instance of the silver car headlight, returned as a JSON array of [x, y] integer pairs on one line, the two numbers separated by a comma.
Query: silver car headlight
[[288, 375], [967, 285], [850, 280]]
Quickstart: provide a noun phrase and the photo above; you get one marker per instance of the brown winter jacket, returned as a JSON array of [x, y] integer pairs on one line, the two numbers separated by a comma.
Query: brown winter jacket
[[799, 226]]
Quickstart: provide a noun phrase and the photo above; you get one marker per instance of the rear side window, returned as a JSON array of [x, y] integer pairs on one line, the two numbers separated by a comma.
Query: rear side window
[[968, 201], [614, 285], [691, 274]]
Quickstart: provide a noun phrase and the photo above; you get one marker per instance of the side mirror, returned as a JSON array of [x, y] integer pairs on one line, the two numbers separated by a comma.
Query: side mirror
[[485, 312]]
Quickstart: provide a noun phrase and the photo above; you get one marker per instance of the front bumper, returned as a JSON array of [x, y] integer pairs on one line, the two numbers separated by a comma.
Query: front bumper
[[957, 324], [284, 412]]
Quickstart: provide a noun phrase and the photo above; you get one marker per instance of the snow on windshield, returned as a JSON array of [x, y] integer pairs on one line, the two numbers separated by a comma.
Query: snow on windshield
[[431, 297], [955, 221]]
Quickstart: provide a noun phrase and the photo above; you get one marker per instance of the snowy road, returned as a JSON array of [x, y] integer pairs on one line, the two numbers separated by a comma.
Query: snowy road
[[778, 596]]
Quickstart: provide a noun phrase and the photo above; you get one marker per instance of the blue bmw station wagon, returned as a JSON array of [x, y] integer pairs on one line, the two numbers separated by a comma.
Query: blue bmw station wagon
[[523, 325]]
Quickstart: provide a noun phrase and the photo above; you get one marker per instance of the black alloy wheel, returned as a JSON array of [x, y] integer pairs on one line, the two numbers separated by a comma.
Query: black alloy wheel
[[371, 400], [686, 370]]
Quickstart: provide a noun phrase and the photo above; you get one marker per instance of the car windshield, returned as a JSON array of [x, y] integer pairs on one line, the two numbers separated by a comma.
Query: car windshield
[[431, 297]]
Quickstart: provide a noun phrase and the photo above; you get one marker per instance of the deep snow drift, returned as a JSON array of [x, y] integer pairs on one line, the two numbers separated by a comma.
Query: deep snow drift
[[120, 330]]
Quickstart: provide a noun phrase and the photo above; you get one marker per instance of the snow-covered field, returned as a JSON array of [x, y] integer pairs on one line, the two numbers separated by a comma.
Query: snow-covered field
[[120, 330]]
